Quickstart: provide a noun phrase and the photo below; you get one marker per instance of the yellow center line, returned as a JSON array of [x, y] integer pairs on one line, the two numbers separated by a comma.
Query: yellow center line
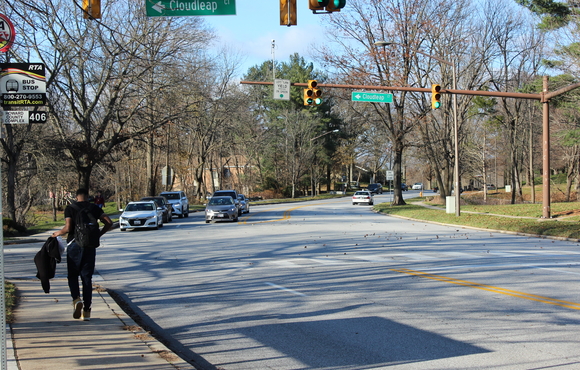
[[285, 215], [490, 288]]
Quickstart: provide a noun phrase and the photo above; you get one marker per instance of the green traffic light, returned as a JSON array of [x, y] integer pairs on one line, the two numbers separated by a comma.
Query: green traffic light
[[437, 105], [317, 101]]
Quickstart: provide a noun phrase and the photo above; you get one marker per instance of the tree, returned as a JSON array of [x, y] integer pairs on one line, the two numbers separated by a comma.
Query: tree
[[100, 85]]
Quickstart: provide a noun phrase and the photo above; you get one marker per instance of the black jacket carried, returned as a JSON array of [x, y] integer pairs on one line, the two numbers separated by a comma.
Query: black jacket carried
[[46, 259]]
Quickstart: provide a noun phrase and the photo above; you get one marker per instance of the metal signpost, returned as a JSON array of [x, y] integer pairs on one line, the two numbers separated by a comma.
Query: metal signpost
[[7, 36], [180, 8], [371, 97], [282, 89], [391, 178]]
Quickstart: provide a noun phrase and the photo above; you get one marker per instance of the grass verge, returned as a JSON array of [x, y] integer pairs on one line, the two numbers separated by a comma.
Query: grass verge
[[565, 229], [10, 300]]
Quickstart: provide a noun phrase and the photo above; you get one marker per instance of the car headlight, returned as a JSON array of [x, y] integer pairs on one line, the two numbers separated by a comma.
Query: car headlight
[[150, 217], [233, 209]]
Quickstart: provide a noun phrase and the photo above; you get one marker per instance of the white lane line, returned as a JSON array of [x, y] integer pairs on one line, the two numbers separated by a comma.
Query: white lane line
[[286, 289]]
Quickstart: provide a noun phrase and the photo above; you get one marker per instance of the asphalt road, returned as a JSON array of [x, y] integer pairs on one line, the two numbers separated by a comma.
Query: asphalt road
[[328, 285]]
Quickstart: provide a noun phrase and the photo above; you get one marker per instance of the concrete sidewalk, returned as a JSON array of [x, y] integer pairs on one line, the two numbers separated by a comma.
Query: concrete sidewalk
[[45, 335]]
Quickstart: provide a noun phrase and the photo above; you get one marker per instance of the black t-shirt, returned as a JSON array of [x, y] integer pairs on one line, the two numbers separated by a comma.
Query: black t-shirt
[[71, 213]]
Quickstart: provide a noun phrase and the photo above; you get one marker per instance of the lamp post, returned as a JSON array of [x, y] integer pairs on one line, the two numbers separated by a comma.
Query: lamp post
[[383, 44], [326, 133], [312, 168]]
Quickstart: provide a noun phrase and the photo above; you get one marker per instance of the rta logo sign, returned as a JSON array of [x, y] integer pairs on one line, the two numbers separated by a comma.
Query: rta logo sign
[[11, 86]]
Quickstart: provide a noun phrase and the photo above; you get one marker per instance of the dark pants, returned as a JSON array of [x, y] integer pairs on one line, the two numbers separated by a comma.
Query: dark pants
[[81, 262]]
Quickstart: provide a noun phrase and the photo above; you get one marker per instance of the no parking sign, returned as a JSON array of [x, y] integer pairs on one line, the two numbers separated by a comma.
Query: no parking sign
[[7, 33]]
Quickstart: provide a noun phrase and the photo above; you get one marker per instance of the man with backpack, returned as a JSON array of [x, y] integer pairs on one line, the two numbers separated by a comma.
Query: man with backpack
[[81, 224]]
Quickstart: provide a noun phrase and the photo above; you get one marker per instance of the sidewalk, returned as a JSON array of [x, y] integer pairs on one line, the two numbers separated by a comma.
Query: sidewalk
[[46, 337]]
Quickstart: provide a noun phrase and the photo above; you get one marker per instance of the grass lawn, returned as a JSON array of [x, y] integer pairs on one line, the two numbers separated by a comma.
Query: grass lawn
[[564, 224]]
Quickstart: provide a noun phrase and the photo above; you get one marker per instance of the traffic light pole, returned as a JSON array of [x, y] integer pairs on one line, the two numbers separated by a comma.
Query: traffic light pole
[[544, 97]]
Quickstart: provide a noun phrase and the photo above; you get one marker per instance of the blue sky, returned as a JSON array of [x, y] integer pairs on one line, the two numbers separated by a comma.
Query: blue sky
[[257, 23]]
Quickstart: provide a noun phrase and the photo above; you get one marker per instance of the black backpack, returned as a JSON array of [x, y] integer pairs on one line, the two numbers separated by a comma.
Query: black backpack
[[87, 232]]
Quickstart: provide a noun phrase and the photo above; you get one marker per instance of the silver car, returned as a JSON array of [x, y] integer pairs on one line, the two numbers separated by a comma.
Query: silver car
[[362, 196], [142, 214], [221, 208], [244, 203]]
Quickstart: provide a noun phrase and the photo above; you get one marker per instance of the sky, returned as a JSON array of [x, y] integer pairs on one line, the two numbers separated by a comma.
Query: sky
[[257, 23]]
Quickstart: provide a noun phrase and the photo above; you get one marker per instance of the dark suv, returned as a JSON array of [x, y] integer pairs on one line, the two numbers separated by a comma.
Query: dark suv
[[229, 193], [163, 203], [375, 188]]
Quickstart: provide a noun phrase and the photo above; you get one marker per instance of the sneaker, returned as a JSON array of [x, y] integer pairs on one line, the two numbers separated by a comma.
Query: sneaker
[[78, 307], [87, 315]]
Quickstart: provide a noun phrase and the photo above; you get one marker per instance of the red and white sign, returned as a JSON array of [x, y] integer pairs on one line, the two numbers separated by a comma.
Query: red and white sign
[[7, 33]]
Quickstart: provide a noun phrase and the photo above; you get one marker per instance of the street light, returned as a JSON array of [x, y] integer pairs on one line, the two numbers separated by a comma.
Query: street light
[[326, 133], [383, 44]]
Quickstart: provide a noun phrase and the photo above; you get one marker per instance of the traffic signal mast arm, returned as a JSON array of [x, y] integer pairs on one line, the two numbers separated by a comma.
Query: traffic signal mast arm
[[414, 89]]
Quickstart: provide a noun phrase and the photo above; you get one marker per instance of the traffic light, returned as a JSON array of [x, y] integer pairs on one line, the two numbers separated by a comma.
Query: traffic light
[[317, 4], [92, 9], [335, 5], [288, 13], [435, 96], [312, 95]]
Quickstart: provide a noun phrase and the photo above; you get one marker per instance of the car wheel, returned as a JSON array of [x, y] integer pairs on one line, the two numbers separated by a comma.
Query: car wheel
[[354, 204], [207, 221], [180, 216], [371, 203], [236, 219], [123, 229]]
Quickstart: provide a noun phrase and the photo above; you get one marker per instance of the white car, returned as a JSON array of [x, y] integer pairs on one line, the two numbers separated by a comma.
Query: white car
[[178, 201], [417, 186], [142, 214], [363, 196]]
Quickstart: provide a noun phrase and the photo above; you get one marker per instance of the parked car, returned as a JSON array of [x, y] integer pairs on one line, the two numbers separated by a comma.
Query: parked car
[[491, 187], [362, 196], [375, 188], [179, 201], [418, 186], [244, 203], [229, 193], [164, 203], [141, 214], [404, 187], [221, 208]]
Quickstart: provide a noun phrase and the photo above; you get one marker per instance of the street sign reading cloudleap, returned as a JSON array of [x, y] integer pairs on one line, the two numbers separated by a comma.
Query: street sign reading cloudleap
[[177, 8], [372, 97]]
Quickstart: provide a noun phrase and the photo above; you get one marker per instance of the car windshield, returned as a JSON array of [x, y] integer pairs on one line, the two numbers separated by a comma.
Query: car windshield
[[139, 207], [221, 201], [171, 195], [361, 193]]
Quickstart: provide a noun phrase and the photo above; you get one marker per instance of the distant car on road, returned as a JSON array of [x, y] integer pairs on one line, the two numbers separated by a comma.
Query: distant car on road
[[375, 188], [164, 203], [179, 201], [362, 196], [244, 203], [142, 214], [221, 208], [229, 193], [404, 187], [418, 186]]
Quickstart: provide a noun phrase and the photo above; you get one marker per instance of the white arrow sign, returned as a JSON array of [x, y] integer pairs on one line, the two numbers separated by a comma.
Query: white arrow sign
[[159, 7]]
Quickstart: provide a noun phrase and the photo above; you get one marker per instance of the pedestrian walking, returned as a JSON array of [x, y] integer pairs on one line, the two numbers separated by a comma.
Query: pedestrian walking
[[81, 254], [99, 200]]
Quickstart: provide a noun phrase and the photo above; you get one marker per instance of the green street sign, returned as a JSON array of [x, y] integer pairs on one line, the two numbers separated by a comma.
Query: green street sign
[[180, 8], [372, 97]]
